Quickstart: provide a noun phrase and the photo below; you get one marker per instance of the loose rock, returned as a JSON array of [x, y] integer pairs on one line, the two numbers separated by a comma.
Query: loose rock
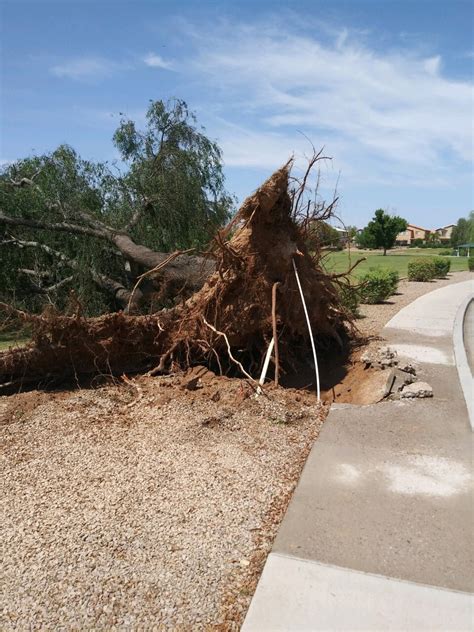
[[417, 389]]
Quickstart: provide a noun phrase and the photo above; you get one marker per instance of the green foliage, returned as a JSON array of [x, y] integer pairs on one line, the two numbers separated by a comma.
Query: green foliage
[[382, 231], [422, 269], [417, 243], [365, 239], [442, 266], [377, 285], [470, 263], [350, 299], [447, 252], [394, 278], [324, 234], [351, 232], [432, 244], [177, 172], [463, 232], [63, 185], [174, 179]]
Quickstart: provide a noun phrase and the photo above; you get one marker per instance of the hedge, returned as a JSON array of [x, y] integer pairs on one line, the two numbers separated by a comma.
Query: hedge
[[349, 296], [442, 266], [422, 269], [470, 263], [377, 285]]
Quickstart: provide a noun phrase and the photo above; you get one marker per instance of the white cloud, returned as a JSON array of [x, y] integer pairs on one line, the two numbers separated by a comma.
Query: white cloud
[[155, 61], [86, 68], [394, 109]]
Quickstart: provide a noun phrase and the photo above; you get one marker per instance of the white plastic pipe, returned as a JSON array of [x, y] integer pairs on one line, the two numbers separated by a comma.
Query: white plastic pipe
[[318, 387], [267, 362]]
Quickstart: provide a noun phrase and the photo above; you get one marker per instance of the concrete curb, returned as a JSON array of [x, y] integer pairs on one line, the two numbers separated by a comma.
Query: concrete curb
[[464, 371], [297, 594]]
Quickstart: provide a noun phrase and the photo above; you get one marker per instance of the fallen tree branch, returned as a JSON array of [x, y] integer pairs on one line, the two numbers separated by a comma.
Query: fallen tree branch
[[343, 274], [118, 290], [157, 268]]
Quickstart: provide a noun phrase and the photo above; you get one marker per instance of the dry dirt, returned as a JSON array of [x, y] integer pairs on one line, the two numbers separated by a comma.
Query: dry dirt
[[147, 505], [153, 503]]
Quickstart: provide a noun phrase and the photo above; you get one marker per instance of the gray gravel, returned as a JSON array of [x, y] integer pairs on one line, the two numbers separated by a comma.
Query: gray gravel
[[156, 515]]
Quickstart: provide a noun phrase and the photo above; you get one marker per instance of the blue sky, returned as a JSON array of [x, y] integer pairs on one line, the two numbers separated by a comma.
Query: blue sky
[[386, 87]]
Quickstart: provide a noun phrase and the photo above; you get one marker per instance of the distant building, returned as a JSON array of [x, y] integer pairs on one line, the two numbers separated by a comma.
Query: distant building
[[343, 235], [411, 233], [444, 233]]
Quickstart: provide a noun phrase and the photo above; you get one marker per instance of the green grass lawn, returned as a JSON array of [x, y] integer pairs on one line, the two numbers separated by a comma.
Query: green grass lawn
[[397, 260], [12, 339]]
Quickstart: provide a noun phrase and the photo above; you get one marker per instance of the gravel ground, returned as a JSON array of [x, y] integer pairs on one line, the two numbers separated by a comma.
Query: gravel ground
[[153, 512], [375, 317]]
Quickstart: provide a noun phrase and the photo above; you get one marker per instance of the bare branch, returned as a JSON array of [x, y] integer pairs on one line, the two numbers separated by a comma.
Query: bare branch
[[64, 227], [25, 182], [118, 290]]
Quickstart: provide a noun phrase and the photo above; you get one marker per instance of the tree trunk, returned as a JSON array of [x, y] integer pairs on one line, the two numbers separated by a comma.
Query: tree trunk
[[184, 273]]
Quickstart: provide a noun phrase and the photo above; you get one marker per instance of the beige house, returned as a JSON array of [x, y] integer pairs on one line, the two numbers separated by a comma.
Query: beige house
[[444, 233], [410, 234]]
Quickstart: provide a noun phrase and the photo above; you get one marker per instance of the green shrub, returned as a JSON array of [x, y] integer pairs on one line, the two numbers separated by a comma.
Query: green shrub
[[350, 299], [394, 279], [445, 253], [422, 269], [442, 267], [377, 285], [470, 263]]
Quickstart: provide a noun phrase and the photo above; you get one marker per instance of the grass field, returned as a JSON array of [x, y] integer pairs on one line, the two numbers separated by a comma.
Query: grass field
[[397, 260], [12, 339]]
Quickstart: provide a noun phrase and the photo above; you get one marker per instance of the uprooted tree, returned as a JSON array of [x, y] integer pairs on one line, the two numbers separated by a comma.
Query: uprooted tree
[[68, 223], [226, 325]]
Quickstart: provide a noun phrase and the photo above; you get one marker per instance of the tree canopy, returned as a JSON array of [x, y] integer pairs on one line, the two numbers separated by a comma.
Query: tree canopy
[[463, 232], [67, 222], [382, 231], [324, 234]]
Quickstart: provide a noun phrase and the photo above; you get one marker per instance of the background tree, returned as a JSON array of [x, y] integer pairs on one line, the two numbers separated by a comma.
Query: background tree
[[69, 223], [351, 232], [365, 239], [463, 232], [382, 231], [324, 234]]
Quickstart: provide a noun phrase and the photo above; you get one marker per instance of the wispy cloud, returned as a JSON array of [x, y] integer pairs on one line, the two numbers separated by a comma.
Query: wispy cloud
[[391, 108], [87, 68], [156, 61]]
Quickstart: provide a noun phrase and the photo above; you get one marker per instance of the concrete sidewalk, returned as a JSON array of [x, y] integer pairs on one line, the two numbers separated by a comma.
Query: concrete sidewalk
[[378, 535]]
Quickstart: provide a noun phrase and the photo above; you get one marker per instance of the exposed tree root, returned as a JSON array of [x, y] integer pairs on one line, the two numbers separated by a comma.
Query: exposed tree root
[[251, 297]]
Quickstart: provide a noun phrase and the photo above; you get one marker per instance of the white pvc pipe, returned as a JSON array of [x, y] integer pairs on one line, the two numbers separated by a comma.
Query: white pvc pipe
[[318, 387], [267, 362]]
